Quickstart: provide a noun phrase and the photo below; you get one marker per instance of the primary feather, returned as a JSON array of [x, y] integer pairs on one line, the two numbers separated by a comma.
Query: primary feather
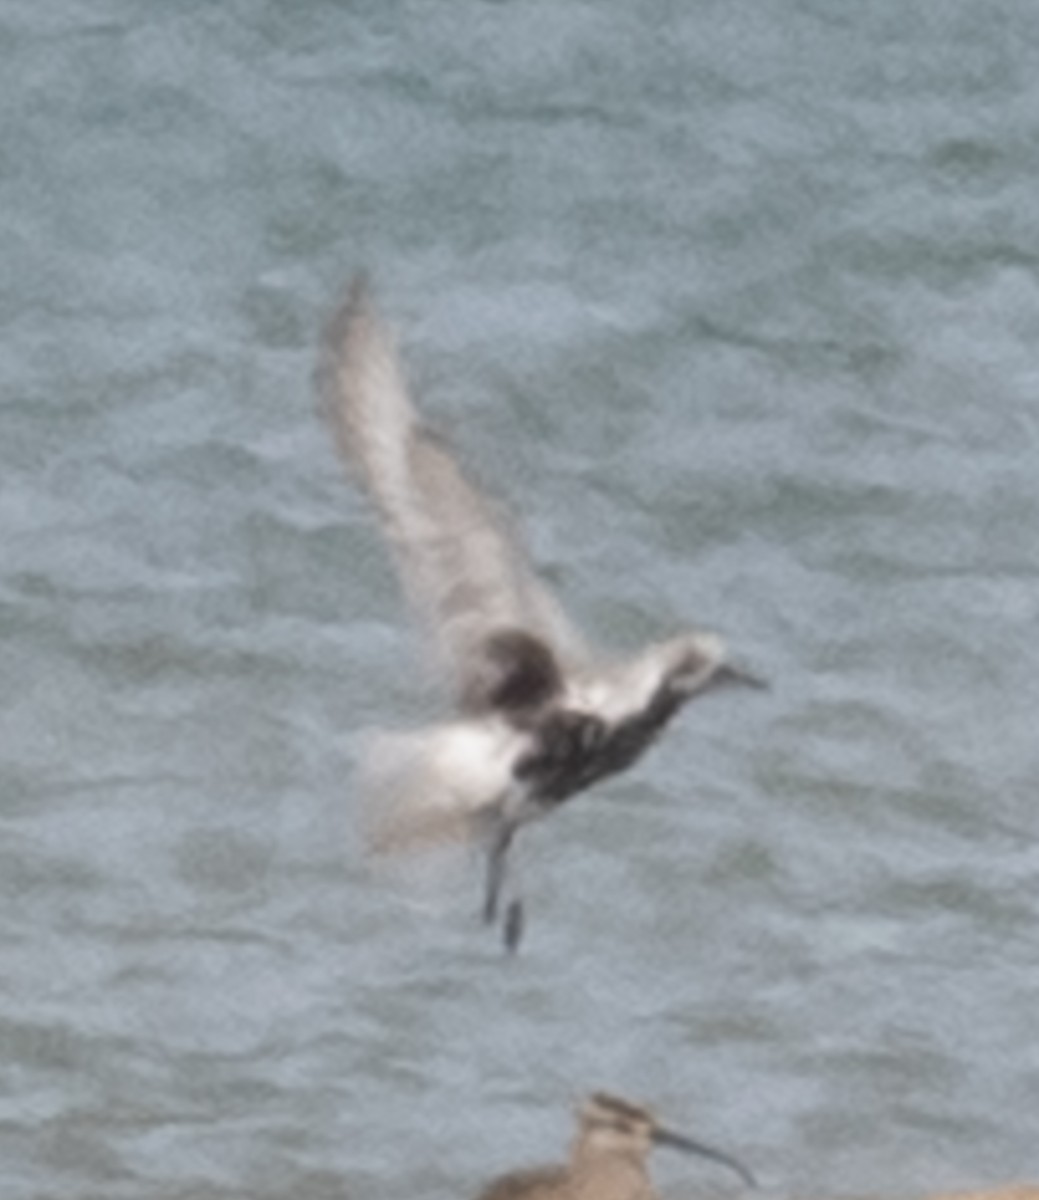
[[463, 573]]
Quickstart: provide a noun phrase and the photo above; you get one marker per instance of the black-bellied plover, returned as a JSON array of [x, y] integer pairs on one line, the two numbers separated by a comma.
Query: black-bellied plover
[[537, 717]]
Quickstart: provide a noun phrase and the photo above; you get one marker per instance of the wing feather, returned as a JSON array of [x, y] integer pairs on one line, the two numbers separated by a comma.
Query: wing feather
[[463, 572]]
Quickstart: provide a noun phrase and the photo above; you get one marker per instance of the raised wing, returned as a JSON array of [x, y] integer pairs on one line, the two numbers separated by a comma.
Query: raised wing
[[464, 574]]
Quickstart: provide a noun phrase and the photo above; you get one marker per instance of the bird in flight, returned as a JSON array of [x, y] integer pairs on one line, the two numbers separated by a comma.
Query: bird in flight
[[537, 716]]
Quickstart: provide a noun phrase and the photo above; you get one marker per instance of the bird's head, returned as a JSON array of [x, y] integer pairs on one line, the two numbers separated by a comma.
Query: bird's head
[[610, 1125], [697, 662]]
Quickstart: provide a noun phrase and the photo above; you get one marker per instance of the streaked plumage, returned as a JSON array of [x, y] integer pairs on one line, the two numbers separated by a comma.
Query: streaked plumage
[[608, 1159], [537, 717], [1004, 1191]]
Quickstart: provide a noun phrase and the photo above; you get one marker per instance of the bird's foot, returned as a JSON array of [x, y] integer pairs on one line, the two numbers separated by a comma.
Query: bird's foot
[[512, 928]]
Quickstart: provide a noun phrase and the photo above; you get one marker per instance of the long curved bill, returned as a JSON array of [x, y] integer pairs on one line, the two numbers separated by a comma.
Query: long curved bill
[[677, 1141]]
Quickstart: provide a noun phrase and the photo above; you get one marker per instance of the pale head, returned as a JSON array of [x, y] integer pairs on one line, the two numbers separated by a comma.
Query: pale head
[[698, 662]]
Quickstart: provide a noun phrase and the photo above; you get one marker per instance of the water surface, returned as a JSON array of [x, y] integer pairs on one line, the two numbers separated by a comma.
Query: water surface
[[737, 305]]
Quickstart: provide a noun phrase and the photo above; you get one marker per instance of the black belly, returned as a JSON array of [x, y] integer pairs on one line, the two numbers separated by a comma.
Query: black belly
[[573, 750]]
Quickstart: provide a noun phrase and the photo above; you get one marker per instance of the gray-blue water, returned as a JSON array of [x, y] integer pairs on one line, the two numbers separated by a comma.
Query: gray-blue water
[[737, 305]]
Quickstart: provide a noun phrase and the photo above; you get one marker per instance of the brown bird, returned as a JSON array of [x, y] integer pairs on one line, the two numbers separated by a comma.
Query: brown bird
[[607, 1159], [1005, 1191], [537, 717]]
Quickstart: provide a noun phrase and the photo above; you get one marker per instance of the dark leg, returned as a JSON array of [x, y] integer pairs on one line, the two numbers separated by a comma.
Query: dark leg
[[513, 929], [499, 848]]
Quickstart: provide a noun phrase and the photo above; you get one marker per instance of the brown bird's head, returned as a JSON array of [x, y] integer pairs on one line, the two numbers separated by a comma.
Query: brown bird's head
[[610, 1125]]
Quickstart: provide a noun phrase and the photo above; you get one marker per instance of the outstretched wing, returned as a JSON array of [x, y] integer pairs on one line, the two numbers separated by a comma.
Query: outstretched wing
[[463, 573]]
